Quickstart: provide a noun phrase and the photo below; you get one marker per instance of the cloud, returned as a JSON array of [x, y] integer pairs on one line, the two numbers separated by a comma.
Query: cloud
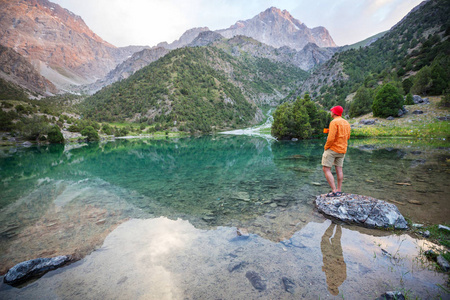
[[148, 22]]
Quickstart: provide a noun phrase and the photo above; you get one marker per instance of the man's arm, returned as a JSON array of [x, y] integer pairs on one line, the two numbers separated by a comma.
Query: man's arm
[[331, 135]]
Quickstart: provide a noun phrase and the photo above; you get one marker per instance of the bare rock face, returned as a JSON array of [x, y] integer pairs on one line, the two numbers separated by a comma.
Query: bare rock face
[[185, 39], [57, 42], [362, 210], [278, 28], [32, 268], [205, 38], [16, 69]]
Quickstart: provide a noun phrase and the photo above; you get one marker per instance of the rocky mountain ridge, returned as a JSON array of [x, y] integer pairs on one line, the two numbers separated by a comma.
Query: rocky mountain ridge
[[57, 42], [278, 28]]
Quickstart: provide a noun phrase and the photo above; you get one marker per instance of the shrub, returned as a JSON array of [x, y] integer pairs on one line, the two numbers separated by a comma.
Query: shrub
[[300, 119], [445, 101], [90, 133], [107, 129], [55, 135], [409, 99], [387, 102]]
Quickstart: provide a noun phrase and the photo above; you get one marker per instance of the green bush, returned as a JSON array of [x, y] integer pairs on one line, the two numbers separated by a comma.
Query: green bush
[[107, 129], [445, 101], [409, 99], [32, 128], [55, 135], [301, 119], [387, 102], [90, 133]]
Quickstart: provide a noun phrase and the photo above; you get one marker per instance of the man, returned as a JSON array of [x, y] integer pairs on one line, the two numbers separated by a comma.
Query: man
[[335, 149]]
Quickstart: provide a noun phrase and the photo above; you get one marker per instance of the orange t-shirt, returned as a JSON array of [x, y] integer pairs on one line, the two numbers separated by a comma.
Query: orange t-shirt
[[338, 135]]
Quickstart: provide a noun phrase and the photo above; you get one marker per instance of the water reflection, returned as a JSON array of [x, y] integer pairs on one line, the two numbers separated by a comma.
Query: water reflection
[[333, 260], [54, 199], [171, 259]]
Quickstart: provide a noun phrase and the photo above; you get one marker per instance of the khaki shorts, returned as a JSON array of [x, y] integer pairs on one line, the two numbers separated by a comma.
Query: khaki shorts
[[331, 158]]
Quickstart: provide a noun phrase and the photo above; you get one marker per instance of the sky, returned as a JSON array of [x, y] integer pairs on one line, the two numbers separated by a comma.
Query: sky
[[149, 22]]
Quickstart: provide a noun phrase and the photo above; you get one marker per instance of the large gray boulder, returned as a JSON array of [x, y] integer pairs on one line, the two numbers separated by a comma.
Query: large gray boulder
[[362, 210], [32, 268]]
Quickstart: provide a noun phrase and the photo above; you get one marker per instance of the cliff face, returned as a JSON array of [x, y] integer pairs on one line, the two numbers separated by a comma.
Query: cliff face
[[57, 42], [16, 69], [278, 28]]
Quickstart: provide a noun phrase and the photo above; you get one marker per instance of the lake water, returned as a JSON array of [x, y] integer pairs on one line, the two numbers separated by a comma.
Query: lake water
[[163, 216]]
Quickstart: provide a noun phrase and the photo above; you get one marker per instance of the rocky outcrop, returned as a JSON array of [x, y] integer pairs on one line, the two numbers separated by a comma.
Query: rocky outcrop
[[419, 100], [205, 38], [362, 210], [16, 69], [278, 28], [57, 42], [32, 268]]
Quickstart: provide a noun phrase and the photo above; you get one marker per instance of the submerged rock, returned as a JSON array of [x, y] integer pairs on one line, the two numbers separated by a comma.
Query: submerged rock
[[393, 295], [256, 280], [289, 285], [362, 210], [32, 268]]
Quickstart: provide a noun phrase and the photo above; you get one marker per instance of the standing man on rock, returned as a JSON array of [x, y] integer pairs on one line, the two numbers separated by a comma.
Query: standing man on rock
[[335, 149]]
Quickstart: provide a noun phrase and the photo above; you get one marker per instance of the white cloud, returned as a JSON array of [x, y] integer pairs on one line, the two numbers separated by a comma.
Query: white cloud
[[148, 22]]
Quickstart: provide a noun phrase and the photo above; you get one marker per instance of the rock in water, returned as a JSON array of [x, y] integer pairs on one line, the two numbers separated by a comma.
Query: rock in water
[[392, 295], [289, 285], [31, 268], [256, 280], [363, 210], [443, 263]]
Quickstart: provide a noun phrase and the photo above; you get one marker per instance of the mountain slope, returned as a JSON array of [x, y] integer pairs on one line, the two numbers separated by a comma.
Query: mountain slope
[[122, 71], [278, 28], [420, 39], [197, 89], [241, 48], [17, 70], [57, 42]]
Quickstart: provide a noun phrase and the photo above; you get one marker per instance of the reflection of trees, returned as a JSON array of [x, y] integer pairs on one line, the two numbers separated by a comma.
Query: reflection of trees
[[21, 168], [333, 260]]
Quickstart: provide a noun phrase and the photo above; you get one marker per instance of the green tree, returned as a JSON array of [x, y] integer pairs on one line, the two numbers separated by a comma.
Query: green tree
[[445, 101], [438, 80], [301, 119], [387, 102], [407, 84], [90, 133], [55, 135], [422, 81], [362, 102]]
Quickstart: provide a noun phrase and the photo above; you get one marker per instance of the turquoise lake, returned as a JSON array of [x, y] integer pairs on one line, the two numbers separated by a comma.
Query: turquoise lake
[[191, 195]]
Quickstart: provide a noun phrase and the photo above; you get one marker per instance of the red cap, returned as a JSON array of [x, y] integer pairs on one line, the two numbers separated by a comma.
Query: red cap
[[337, 110]]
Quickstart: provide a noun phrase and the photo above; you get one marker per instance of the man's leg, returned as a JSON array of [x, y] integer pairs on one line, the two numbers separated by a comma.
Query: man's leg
[[330, 178], [340, 178]]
